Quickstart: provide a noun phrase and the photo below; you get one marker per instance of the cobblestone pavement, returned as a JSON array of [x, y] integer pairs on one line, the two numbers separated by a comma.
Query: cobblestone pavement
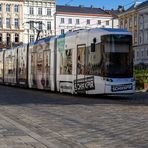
[[36, 119]]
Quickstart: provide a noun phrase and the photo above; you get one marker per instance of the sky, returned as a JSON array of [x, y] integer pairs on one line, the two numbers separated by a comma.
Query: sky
[[107, 4]]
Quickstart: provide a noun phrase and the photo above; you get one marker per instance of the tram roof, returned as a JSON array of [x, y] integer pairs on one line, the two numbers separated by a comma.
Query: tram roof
[[115, 30], [105, 30]]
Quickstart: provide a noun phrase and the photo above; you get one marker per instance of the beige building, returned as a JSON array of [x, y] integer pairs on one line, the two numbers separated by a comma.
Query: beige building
[[11, 23], [141, 51], [135, 20], [129, 20]]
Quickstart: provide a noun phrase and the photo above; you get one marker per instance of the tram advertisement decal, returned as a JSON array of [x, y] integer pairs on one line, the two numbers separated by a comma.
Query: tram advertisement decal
[[61, 43], [84, 84]]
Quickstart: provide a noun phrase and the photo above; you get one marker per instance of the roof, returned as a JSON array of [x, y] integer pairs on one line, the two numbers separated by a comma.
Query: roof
[[80, 9], [143, 4], [135, 6], [114, 13], [131, 8]]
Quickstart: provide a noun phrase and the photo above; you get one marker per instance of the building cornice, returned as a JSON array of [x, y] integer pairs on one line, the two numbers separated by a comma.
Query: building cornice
[[13, 30], [127, 13], [12, 1], [141, 8], [83, 14]]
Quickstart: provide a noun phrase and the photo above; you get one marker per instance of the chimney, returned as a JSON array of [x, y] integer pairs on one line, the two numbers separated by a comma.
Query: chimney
[[91, 6], [81, 6], [120, 8]]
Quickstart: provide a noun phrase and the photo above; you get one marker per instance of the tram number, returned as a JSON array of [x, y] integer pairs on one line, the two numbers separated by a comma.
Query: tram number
[[84, 84], [123, 87]]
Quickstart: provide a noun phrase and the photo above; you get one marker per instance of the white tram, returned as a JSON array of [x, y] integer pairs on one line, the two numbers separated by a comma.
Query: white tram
[[94, 61]]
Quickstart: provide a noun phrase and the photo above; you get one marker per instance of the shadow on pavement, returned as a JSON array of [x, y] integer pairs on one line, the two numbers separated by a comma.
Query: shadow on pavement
[[19, 96]]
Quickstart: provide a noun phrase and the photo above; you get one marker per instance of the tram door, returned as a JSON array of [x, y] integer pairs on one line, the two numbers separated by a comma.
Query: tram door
[[46, 69], [33, 70], [79, 83]]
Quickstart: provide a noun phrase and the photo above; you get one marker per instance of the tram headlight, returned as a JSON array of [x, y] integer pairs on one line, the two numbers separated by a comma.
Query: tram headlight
[[108, 79]]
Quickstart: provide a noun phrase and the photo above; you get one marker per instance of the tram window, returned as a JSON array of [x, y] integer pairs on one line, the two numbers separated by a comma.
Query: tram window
[[93, 60], [93, 47], [66, 62]]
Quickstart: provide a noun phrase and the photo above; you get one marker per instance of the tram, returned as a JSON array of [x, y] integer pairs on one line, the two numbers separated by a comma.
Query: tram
[[89, 61]]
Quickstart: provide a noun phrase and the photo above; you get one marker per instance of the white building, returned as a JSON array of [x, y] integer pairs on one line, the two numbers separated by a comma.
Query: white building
[[38, 15], [78, 17]]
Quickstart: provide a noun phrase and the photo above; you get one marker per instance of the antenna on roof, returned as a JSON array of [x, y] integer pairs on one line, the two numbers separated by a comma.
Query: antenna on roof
[[69, 2], [91, 6], [81, 6]]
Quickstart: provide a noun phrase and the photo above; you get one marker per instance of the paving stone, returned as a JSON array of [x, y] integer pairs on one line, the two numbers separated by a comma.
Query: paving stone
[[36, 119]]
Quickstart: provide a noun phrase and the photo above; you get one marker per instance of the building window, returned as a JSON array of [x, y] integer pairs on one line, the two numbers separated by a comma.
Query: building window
[[31, 25], [141, 37], [146, 36], [39, 11], [48, 25], [141, 21], [121, 23], [31, 38], [8, 39], [48, 11], [0, 22], [99, 22], [8, 22], [135, 36], [130, 22], [16, 38], [0, 7], [135, 21], [77, 21], [88, 22], [125, 23], [16, 8], [40, 26], [16, 23], [62, 21], [31, 11], [1, 39], [107, 23], [142, 53], [8, 8], [69, 21], [62, 31], [137, 54]]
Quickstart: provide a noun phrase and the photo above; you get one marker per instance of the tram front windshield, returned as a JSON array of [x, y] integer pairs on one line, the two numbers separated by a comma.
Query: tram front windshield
[[118, 62]]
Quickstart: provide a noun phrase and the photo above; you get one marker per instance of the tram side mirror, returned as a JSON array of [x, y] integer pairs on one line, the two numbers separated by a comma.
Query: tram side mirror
[[93, 45]]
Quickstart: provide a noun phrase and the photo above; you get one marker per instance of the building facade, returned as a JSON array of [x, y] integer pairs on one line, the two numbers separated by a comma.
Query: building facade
[[11, 20], [135, 20], [141, 51], [78, 17], [129, 20], [39, 16]]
